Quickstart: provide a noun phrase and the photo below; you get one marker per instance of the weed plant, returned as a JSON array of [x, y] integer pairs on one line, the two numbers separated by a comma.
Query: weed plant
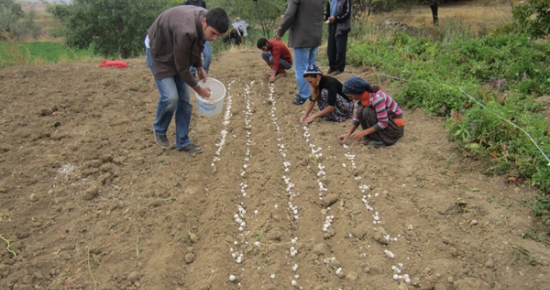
[[506, 73]]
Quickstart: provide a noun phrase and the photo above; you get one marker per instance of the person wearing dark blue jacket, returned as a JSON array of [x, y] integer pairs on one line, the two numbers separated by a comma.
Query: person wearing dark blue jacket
[[338, 14]]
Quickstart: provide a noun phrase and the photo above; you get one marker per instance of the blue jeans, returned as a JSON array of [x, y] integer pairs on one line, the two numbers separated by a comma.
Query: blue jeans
[[266, 55], [174, 98], [206, 58], [303, 57]]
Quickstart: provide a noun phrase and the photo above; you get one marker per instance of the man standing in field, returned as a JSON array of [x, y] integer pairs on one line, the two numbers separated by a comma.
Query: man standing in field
[[174, 42], [304, 18], [339, 17]]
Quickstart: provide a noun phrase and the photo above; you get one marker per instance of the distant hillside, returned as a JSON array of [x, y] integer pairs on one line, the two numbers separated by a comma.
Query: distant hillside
[[38, 5], [57, 1]]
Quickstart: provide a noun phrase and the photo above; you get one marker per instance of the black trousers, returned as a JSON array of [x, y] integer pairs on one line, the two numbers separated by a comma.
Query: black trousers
[[434, 13], [336, 49]]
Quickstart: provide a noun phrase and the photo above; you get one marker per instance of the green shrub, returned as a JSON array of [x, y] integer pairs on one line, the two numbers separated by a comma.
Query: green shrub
[[533, 17], [14, 23], [441, 74], [115, 27]]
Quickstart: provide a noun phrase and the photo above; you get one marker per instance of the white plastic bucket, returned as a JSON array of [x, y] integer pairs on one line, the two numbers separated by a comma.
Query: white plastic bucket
[[213, 106]]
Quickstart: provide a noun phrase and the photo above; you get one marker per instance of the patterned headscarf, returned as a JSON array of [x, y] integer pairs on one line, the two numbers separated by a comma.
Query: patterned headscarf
[[312, 70], [356, 86]]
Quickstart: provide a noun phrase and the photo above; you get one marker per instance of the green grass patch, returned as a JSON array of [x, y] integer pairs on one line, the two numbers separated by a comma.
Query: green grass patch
[[17, 53], [448, 72]]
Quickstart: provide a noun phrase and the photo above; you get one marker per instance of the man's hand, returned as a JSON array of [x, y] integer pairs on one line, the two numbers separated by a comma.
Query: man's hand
[[276, 36], [203, 92], [272, 76], [202, 73], [331, 19]]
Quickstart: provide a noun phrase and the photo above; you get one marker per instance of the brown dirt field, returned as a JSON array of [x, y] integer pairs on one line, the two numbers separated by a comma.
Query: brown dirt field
[[89, 201]]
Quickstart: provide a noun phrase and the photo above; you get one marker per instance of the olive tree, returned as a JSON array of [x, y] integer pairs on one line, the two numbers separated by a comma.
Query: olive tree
[[533, 18], [116, 28], [14, 23], [265, 14]]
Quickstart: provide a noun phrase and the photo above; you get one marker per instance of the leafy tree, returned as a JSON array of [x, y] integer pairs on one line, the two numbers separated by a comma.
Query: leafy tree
[[60, 12], [15, 8], [115, 27], [269, 13], [10, 14], [263, 13], [533, 18], [29, 26], [14, 23]]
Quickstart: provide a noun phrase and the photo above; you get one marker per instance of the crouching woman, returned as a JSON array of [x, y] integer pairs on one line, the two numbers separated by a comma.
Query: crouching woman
[[377, 112], [326, 91]]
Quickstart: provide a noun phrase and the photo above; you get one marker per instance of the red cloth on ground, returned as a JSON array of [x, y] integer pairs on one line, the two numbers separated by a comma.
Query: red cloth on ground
[[115, 63]]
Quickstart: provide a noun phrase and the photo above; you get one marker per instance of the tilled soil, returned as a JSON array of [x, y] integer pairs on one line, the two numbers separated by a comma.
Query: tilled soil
[[89, 201]]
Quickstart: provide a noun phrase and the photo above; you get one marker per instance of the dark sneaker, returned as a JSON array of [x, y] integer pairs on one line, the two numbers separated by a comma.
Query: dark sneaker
[[377, 144], [336, 72], [299, 101], [162, 141], [330, 71], [191, 148]]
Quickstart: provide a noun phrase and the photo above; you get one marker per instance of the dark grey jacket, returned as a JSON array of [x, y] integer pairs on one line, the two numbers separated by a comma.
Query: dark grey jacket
[[199, 3], [176, 39], [304, 18], [343, 16]]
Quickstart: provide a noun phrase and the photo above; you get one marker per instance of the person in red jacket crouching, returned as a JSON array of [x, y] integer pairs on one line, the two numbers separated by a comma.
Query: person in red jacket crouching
[[277, 56]]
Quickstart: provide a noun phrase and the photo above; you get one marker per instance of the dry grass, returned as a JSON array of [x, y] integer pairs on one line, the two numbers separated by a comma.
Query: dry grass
[[11, 48], [478, 16]]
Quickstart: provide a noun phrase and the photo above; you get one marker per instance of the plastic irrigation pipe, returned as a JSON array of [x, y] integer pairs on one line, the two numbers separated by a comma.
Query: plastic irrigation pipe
[[511, 123]]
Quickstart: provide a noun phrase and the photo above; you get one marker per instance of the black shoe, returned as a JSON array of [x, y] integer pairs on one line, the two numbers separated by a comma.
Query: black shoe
[[191, 148], [299, 101], [330, 71], [162, 141], [336, 72]]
